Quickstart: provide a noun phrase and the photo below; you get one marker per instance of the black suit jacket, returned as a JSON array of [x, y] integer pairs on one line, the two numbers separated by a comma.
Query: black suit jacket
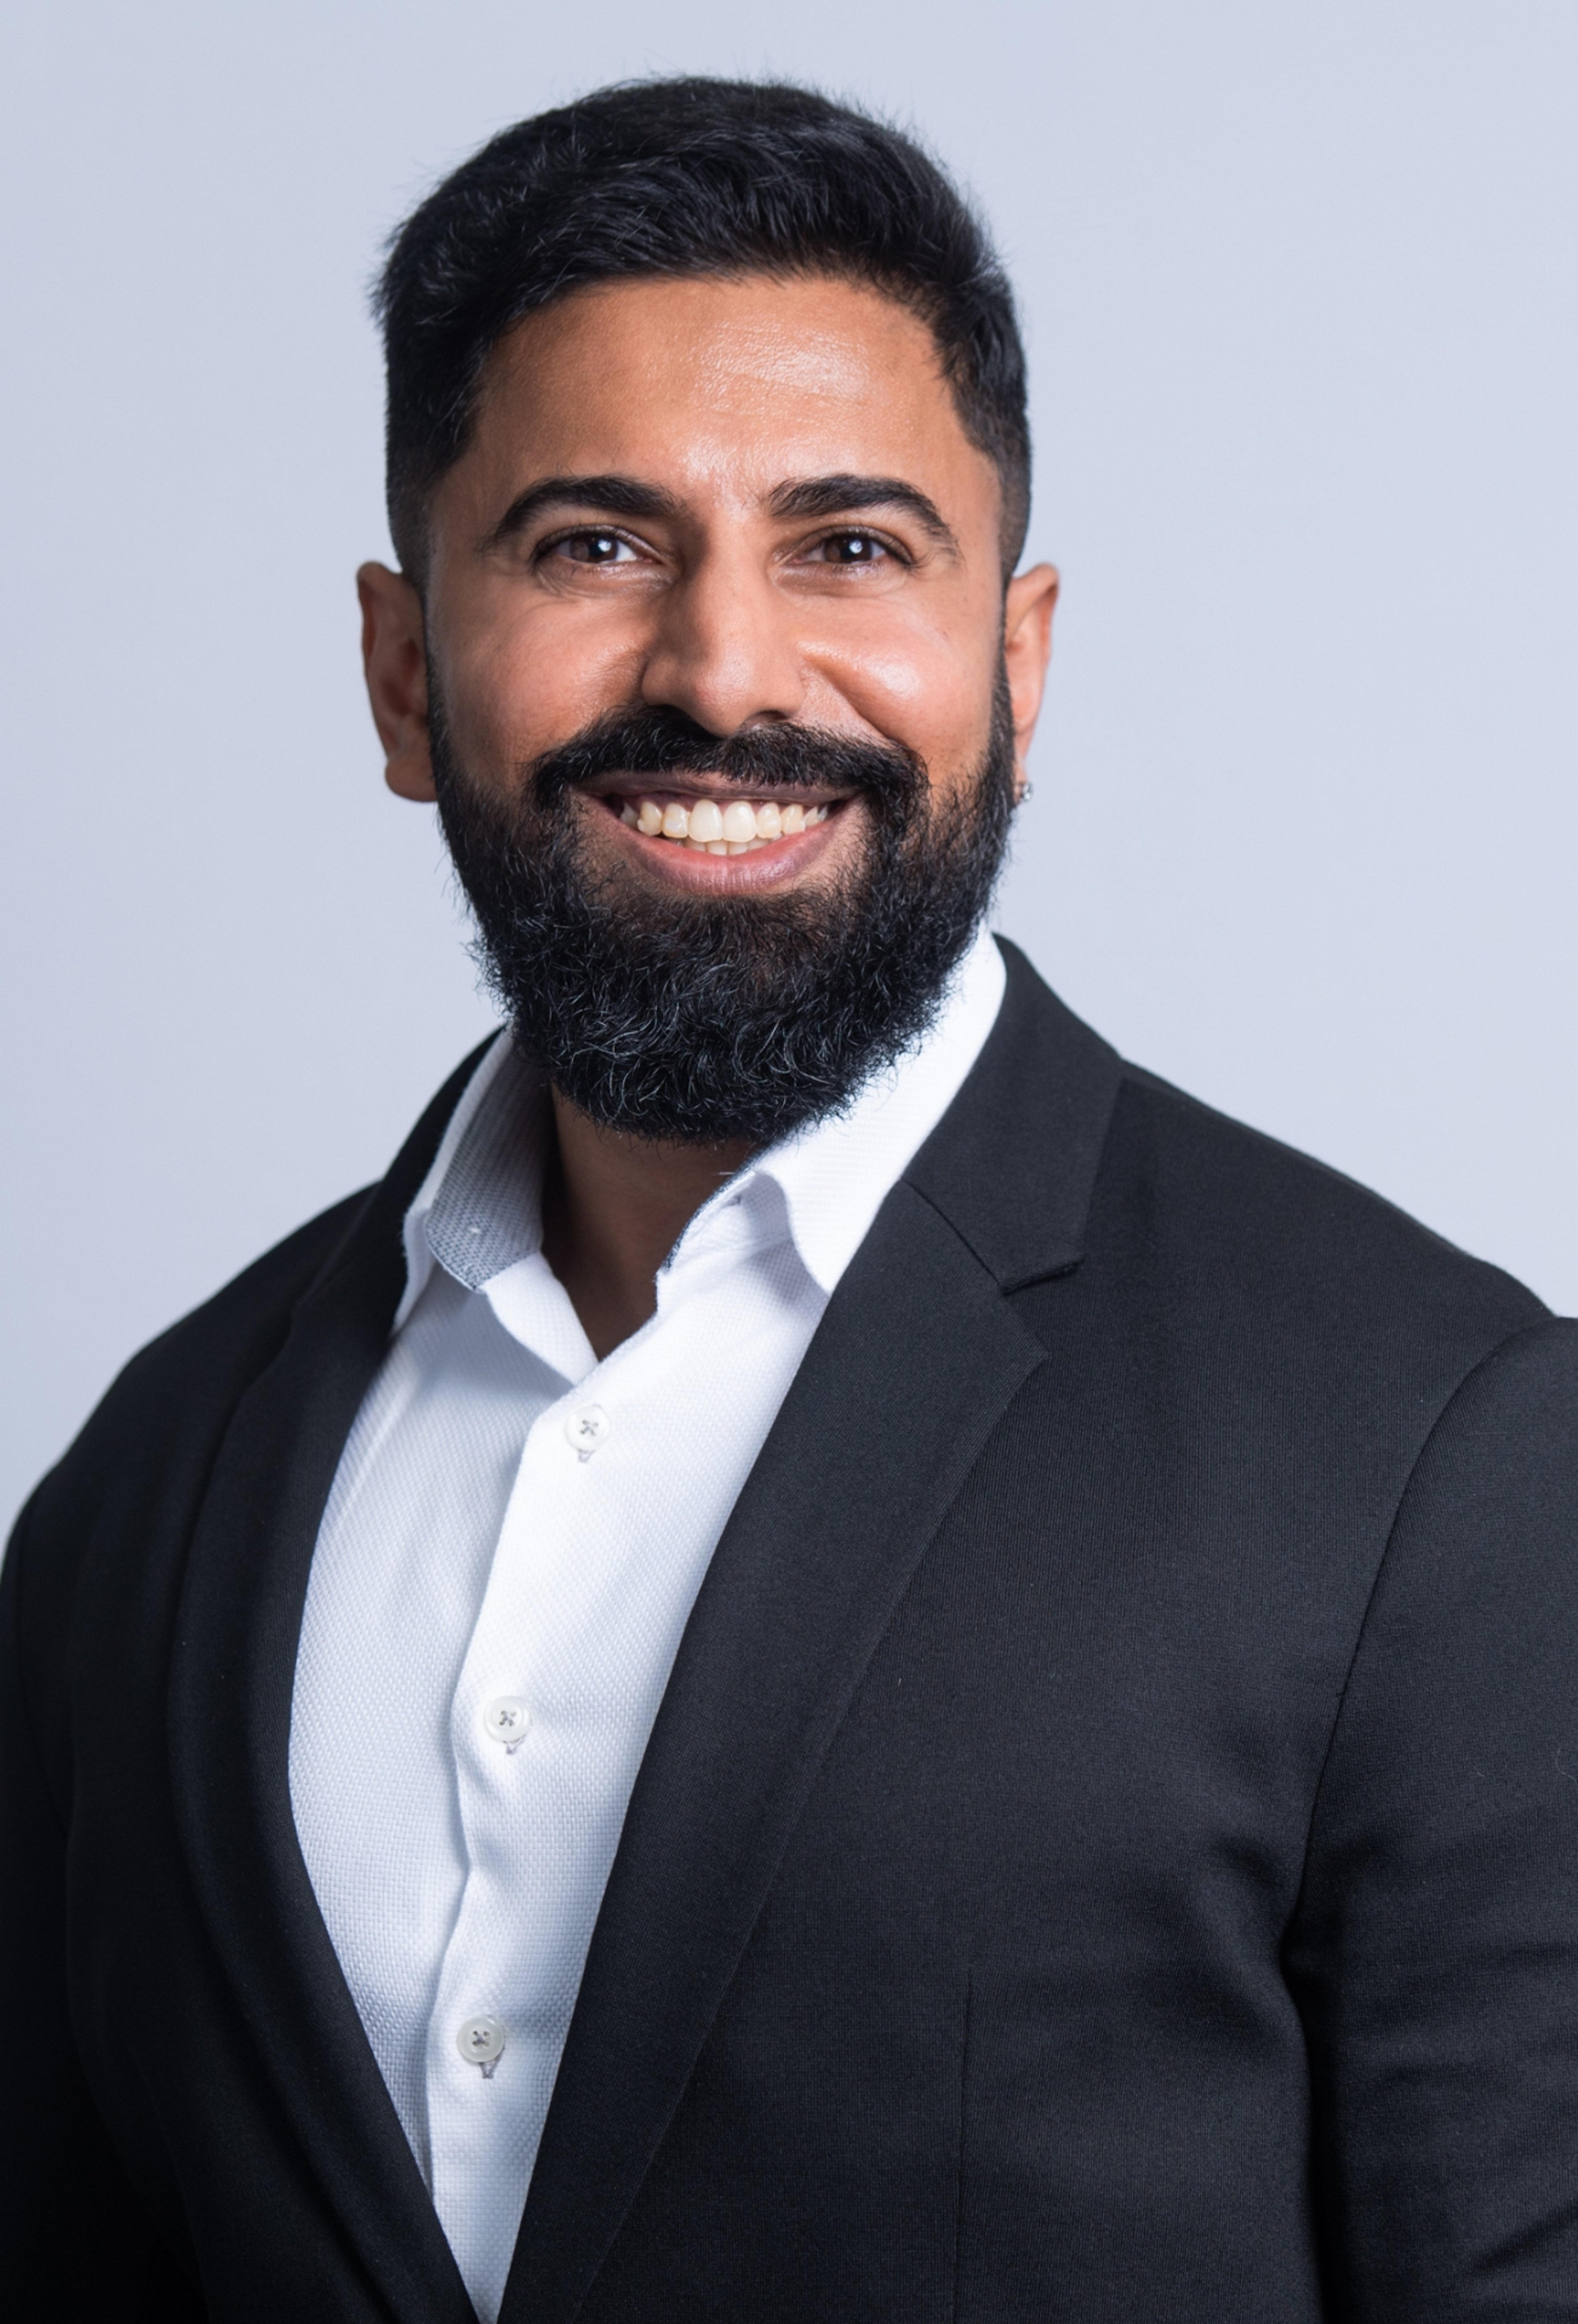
[[1108, 1852]]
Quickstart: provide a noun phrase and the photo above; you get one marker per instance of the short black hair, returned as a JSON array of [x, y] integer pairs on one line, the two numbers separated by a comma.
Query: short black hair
[[685, 176]]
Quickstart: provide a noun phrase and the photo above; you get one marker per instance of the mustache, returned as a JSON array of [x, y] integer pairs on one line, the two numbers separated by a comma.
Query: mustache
[[665, 742]]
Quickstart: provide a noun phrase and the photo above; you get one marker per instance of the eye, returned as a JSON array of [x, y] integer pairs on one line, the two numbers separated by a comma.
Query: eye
[[593, 547], [853, 548]]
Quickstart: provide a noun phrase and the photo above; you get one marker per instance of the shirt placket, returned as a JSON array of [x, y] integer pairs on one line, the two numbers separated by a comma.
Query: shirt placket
[[494, 2035], [542, 1740]]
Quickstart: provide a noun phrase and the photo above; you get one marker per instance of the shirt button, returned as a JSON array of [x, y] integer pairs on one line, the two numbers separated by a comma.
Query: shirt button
[[480, 2042], [506, 1720], [588, 1428]]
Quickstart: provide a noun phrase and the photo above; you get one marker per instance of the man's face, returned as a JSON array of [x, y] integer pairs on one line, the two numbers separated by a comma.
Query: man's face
[[711, 509]]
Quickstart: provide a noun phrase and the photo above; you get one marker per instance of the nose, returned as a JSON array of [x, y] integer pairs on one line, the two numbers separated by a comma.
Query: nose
[[724, 652]]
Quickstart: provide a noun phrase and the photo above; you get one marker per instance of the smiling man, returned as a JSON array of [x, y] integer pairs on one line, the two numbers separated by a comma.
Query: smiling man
[[837, 1658]]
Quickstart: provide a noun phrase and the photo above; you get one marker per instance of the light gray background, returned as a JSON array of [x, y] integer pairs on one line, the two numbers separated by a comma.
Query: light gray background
[[1299, 287]]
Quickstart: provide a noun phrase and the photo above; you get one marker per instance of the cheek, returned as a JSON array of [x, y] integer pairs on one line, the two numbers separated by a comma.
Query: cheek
[[521, 680], [928, 687]]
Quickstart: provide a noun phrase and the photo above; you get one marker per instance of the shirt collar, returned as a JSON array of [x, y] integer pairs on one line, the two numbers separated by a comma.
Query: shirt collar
[[479, 1210], [834, 1175]]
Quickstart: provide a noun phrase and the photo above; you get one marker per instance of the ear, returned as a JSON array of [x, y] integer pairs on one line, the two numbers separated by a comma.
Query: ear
[[394, 657], [1028, 605]]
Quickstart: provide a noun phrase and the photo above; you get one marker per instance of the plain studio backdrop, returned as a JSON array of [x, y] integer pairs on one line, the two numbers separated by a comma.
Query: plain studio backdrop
[[1299, 289]]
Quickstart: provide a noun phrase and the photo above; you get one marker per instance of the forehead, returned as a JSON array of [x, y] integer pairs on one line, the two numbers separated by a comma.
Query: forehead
[[727, 383]]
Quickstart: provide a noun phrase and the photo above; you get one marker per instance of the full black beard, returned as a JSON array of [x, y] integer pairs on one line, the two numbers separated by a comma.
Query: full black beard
[[696, 1020]]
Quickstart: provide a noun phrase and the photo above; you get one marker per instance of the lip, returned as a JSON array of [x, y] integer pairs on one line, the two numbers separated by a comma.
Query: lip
[[772, 866]]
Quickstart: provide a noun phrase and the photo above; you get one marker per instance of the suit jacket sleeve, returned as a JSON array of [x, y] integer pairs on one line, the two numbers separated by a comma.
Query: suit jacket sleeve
[[1436, 1950], [74, 2239]]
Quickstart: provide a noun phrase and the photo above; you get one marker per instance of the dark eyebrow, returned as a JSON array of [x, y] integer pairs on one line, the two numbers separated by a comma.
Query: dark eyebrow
[[811, 497], [609, 495], [843, 495]]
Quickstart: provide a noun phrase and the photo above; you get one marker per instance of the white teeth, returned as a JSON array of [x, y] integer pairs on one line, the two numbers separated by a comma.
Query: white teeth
[[731, 830]]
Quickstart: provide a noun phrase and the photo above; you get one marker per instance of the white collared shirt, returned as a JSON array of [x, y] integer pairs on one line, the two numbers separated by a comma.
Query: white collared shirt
[[510, 1554]]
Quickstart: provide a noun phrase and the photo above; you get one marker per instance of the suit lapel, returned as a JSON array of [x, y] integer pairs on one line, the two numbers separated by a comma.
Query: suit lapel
[[916, 1360], [233, 1671]]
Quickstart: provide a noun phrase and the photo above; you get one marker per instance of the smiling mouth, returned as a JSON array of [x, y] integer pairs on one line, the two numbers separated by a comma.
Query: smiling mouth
[[737, 826]]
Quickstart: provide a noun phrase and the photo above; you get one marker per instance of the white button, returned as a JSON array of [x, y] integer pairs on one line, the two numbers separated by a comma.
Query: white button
[[480, 2042], [588, 1428], [506, 1720]]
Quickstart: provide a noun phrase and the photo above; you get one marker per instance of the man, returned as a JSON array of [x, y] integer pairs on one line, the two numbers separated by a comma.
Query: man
[[839, 1659]]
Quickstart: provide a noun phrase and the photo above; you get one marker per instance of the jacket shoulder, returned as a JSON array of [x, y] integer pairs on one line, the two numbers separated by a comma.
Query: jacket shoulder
[[121, 1501], [196, 1369], [1275, 1225], [1061, 1155], [175, 1396]]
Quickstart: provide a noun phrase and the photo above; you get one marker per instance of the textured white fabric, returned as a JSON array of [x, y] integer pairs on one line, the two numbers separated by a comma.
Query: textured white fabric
[[473, 1549]]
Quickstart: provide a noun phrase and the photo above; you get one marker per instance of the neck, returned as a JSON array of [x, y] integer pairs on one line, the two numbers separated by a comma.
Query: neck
[[613, 1206]]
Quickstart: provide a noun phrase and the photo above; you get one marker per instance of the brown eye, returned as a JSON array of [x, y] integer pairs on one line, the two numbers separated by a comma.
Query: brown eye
[[856, 551], [594, 549]]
